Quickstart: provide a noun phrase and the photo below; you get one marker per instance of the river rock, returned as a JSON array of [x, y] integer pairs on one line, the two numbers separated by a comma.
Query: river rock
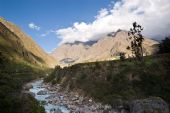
[[28, 86], [53, 110], [106, 107], [149, 105], [58, 111], [51, 97], [42, 92], [30, 93], [124, 111], [74, 98]]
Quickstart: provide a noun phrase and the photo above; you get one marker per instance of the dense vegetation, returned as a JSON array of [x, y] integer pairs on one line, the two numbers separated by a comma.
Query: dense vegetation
[[114, 82], [165, 46], [18, 65], [13, 75], [136, 41]]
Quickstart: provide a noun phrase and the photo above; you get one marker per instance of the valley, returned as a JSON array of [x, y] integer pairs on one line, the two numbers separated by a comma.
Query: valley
[[19, 64], [82, 77]]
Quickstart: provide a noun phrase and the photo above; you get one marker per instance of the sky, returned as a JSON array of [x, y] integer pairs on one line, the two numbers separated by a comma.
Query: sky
[[54, 22]]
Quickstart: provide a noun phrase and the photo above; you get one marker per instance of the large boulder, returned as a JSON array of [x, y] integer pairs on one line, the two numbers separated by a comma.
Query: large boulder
[[42, 92], [149, 105]]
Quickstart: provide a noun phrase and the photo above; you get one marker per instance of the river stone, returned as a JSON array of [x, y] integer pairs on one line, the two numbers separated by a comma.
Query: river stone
[[42, 92], [149, 105], [51, 97], [30, 93], [53, 110], [124, 111], [28, 86], [58, 111]]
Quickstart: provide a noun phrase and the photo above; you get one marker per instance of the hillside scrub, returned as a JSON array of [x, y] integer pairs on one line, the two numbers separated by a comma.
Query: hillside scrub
[[114, 82], [164, 46], [12, 77]]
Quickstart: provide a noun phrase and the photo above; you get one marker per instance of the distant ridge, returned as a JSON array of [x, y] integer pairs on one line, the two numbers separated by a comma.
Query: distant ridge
[[106, 48]]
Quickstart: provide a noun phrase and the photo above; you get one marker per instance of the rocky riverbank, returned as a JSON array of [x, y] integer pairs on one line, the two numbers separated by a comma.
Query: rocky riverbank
[[55, 101], [74, 102]]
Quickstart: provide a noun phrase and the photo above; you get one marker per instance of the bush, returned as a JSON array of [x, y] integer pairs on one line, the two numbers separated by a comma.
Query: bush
[[109, 82], [164, 46], [12, 77]]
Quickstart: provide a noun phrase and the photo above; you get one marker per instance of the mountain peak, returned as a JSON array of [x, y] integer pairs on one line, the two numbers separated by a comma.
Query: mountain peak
[[87, 43], [105, 48], [113, 34]]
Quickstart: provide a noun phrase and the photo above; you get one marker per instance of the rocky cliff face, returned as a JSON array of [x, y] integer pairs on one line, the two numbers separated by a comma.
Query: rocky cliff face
[[107, 48], [15, 44]]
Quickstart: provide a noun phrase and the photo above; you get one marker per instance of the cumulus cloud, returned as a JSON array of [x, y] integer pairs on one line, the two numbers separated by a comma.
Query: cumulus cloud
[[33, 26], [153, 15]]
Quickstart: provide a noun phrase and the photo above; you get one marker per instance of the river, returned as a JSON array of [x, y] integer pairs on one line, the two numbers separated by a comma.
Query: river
[[56, 101], [49, 108]]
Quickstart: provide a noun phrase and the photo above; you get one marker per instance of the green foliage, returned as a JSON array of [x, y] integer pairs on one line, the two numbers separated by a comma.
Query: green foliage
[[112, 82], [53, 75], [29, 105], [164, 46], [122, 56], [41, 103], [137, 40], [12, 77]]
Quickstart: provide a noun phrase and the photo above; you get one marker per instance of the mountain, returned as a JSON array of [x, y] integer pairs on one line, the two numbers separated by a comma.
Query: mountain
[[88, 43], [17, 46], [106, 48]]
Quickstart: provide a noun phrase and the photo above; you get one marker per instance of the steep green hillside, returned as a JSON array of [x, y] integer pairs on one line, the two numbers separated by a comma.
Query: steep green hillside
[[19, 64], [13, 75], [18, 45], [114, 82]]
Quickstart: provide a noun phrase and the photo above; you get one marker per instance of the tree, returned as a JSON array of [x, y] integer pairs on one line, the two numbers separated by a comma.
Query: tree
[[164, 46], [122, 56], [136, 41]]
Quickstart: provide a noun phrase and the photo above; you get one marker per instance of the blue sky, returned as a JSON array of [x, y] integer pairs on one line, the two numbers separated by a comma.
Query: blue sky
[[54, 22], [49, 14]]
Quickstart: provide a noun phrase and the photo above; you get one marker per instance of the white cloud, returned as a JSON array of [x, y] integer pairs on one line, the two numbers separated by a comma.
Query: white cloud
[[33, 26], [153, 15], [47, 33], [102, 13]]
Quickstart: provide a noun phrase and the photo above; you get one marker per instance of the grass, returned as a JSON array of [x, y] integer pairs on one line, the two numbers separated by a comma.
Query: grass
[[13, 75], [18, 65], [112, 82]]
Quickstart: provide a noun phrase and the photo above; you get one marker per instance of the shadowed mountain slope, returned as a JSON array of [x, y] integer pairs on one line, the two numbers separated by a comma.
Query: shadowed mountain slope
[[16, 45]]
